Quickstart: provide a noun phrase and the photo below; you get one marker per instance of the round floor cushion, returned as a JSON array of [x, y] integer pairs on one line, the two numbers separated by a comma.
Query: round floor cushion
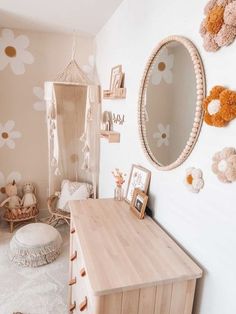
[[35, 245]]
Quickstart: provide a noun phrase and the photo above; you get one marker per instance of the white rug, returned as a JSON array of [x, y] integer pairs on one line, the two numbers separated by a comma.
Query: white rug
[[41, 290]]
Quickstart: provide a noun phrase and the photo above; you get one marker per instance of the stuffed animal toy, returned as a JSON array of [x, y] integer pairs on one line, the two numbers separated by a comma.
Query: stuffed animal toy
[[29, 198], [13, 202]]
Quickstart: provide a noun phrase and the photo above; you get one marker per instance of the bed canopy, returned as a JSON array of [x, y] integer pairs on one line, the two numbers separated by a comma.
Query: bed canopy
[[73, 111]]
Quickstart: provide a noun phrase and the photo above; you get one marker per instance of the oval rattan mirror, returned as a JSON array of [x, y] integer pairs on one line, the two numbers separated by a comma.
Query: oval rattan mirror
[[170, 102]]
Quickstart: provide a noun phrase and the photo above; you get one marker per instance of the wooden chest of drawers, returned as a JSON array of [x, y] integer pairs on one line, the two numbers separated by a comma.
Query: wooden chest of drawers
[[122, 265]]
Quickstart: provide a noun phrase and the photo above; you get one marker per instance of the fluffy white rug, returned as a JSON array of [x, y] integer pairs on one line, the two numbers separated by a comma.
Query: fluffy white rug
[[41, 290]]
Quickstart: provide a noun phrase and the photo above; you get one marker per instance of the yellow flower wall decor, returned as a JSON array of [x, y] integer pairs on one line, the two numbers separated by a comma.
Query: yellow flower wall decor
[[220, 106], [13, 52]]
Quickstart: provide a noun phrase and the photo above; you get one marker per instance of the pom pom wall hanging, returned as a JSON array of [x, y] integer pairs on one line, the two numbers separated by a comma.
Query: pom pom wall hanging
[[219, 106], [194, 179], [218, 28], [224, 165]]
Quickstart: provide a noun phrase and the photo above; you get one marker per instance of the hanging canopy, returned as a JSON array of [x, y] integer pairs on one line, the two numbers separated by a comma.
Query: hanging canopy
[[73, 111]]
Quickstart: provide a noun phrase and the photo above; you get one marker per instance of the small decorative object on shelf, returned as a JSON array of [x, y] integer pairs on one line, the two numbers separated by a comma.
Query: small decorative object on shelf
[[119, 180], [107, 121], [117, 89], [118, 119], [18, 210], [224, 164], [218, 27], [219, 106], [194, 179], [139, 203]]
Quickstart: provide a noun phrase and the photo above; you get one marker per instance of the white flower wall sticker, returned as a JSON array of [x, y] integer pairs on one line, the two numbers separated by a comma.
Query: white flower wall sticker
[[163, 68], [162, 135], [14, 175], [13, 52], [40, 104], [89, 68], [7, 135]]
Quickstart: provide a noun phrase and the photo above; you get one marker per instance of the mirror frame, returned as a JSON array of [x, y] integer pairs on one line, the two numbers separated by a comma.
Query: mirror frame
[[200, 93]]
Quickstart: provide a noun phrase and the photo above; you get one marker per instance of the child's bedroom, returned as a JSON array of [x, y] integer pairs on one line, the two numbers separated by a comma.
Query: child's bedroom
[[117, 157]]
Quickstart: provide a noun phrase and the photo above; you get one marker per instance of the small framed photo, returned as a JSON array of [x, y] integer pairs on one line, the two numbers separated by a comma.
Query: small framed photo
[[116, 77], [117, 81], [139, 178], [139, 203]]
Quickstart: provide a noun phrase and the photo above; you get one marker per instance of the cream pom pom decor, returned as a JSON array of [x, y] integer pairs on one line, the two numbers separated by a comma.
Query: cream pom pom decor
[[224, 165]]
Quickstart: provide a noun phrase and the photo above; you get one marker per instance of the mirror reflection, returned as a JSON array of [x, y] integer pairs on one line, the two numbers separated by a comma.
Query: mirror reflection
[[170, 102]]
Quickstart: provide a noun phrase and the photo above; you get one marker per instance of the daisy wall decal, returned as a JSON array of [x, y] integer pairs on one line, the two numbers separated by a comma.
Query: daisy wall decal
[[13, 52], [40, 104], [163, 68], [162, 135], [7, 135]]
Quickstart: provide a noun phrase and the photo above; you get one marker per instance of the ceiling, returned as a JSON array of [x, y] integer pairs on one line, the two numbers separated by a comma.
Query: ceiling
[[83, 16]]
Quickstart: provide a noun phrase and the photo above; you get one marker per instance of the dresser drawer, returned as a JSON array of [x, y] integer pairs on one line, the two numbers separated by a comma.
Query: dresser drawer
[[81, 298]]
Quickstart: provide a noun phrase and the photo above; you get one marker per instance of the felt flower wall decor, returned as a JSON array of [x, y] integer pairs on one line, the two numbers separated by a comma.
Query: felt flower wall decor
[[7, 135], [40, 104], [219, 106], [194, 179], [162, 68], [13, 51], [224, 165], [218, 29], [162, 135]]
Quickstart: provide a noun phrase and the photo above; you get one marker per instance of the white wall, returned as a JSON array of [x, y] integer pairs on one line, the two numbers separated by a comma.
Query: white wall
[[204, 223]]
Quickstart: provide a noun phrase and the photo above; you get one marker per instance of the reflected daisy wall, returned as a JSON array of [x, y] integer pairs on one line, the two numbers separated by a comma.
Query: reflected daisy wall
[[27, 59]]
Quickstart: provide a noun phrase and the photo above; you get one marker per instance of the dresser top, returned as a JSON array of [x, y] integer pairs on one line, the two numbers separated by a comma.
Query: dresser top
[[122, 252]]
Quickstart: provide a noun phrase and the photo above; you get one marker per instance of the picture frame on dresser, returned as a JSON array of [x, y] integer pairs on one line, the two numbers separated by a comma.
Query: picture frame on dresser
[[139, 203], [139, 178]]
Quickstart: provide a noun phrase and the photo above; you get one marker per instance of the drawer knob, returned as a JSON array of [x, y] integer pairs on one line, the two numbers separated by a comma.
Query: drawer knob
[[73, 256], [72, 307], [72, 281], [82, 272], [72, 230], [83, 305]]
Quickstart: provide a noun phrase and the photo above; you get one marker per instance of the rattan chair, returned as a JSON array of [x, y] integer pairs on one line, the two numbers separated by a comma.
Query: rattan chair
[[56, 213]]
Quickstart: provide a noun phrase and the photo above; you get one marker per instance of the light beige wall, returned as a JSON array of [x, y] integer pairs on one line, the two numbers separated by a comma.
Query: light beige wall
[[49, 54]]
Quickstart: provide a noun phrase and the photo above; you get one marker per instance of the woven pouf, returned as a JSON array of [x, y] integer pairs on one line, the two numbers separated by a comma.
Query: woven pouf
[[35, 245]]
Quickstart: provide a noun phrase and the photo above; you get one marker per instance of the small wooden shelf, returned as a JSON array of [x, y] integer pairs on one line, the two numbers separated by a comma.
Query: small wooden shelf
[[112, 136], [118, 93]]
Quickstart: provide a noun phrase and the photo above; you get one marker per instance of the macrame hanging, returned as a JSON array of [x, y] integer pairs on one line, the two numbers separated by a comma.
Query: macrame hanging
[[72, 72], [72, 88]]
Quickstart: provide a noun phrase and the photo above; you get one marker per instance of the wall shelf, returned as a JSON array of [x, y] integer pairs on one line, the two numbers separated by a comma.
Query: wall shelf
[[118, 93], [111, 136]]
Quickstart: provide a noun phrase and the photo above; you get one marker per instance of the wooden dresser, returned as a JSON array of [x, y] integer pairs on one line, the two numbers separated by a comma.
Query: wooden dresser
[[122, 265]]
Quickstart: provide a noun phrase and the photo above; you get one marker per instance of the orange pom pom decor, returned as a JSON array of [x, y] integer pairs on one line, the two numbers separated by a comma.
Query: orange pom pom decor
[[219, 106]]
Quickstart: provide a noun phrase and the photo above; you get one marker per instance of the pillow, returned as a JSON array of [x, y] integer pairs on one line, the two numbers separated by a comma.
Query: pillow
[[72, 191]]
